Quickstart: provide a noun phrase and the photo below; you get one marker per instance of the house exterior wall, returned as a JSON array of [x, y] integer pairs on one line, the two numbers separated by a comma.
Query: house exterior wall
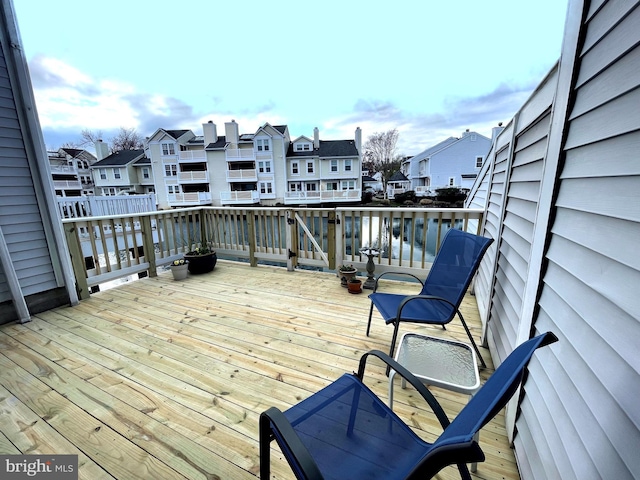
[[33, 278], [563, 194], [457, 159]]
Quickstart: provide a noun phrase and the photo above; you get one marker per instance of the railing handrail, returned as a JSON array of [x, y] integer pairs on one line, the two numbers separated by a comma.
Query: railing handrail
[[316, 237]]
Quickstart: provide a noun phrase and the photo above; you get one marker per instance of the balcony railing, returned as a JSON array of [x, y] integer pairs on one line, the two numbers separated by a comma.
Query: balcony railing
[[194, 176], [238, 197], [240, 154], [64, 169], [191, 198], [193, 155], [248, 175], [67, 185], [109, 247]]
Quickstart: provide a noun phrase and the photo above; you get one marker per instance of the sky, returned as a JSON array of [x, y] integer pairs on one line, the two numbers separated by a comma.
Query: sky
[[429, 69]]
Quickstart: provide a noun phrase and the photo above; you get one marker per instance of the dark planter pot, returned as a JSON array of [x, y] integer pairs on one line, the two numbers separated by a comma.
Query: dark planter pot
[[201, 263]]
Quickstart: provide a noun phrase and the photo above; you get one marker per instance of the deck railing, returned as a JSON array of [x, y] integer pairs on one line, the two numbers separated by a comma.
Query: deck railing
[[110, 247]]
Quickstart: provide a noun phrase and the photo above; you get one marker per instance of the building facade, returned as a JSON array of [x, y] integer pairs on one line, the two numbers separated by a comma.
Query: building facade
[[126, 172], [71, 172], [454, 162], [264, 167]]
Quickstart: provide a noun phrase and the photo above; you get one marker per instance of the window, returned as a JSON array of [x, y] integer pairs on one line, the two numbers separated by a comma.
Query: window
[[109, 191], [311, 187], [264, 167], [334, 166], [266, 187], [347, 165], [348, 185], [306, 147], [263, 145], [310, 167], [332, 186], [299, 147], [295, 187], [303, 147], [145, 172], [479, 161], [452, 181], [171, 170], [168, 149], [295, 170], [103, 174], [173, 189], [116, 173]]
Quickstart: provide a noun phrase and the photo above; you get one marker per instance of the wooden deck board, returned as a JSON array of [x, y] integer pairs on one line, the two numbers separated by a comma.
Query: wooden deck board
[[164, 379]]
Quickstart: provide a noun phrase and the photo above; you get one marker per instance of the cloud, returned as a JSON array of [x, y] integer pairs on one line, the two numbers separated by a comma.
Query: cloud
[[420, 130]]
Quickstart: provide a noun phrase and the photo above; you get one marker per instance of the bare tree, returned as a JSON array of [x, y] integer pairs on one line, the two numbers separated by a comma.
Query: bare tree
[[126, 139], [89, 137], [380, 151]]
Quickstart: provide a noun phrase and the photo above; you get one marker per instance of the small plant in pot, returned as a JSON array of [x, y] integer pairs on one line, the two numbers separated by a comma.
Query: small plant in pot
[[179, 269], [201, 259], [346, 273], [355, 285]]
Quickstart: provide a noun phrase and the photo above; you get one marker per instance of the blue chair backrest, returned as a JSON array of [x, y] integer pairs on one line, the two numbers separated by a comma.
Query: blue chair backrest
[[455, 264], [496, 391]]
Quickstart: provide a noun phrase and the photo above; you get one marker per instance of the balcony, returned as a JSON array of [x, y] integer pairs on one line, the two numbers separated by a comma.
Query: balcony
[[239, 154], [188, 199], [240, 197], [192, 156], [67, 185], [302, 197], [249, 175], [194, 176], [64, 169], [167, 379]]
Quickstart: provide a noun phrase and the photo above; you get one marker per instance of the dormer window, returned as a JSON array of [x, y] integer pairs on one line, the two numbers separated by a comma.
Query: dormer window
[[303, 147]]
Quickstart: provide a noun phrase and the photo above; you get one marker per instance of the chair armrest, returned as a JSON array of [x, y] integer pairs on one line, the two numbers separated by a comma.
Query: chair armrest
[[273, 421], [411, 298], [411, 378], [375, 287]]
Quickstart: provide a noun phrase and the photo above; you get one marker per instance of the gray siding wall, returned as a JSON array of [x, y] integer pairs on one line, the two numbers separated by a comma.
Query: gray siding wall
[[22, 199], [583, 402], [563, 207]]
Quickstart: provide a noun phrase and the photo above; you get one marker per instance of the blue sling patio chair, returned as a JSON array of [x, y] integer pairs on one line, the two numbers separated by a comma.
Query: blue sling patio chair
[[346, 431], [442, 292]]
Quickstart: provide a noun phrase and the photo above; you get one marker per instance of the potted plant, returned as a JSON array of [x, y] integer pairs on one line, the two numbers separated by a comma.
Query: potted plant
[[202, 259], [179, 269], [355, 285], [346, 273]]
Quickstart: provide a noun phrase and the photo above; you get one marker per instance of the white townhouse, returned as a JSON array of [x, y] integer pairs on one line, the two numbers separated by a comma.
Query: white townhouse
[[260, 168], [70, 171], [122, 173], [454, 162], [322, 171]]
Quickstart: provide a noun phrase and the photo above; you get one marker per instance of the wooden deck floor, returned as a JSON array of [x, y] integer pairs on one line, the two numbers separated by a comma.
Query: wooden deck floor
[[162, 379]]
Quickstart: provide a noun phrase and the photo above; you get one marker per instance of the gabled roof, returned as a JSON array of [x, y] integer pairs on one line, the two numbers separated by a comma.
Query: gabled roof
[[197, 140], [72, 151], [328, 148], [119, 159], [280, 128], [142, 162], [398, 177], [303, 138], [176, 133], [367, 178]]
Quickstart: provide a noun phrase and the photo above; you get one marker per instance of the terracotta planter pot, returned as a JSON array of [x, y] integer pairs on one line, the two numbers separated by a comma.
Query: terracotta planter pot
[[201, 263], [355, 286]]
